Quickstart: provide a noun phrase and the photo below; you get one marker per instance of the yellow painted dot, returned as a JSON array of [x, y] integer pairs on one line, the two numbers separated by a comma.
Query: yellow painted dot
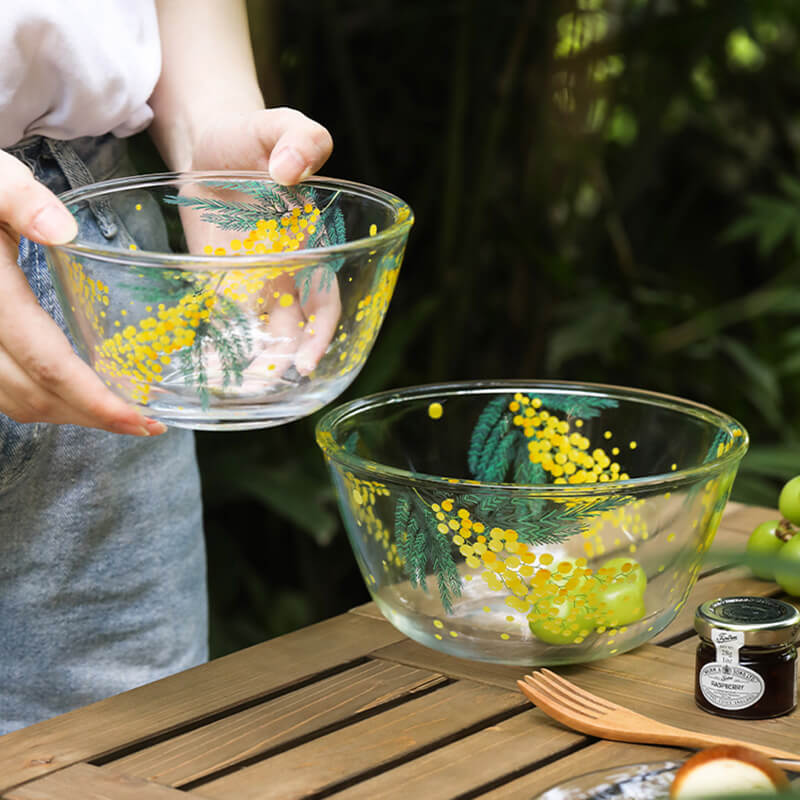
[[438, 636], [132, 247], [435, 410], [286, 300], [454, 634], [138, 206], [504, 636], [632, 445], [373, 229], [438, 623]]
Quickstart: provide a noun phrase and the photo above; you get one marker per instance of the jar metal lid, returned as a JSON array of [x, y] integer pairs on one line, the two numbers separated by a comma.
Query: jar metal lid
[[764, 621]]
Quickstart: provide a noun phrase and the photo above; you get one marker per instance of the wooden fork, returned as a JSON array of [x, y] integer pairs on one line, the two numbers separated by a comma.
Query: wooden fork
[[585, 712]]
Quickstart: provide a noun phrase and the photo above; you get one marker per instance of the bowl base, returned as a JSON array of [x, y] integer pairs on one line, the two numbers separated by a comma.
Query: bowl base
[[466, 635], [230, 413]]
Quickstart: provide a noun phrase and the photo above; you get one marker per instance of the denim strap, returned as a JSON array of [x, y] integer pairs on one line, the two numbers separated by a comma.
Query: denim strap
[[77, 174]]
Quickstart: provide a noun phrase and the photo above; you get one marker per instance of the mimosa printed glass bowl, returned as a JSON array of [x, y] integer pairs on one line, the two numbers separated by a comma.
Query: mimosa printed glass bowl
[[225, 300], [530, 523]]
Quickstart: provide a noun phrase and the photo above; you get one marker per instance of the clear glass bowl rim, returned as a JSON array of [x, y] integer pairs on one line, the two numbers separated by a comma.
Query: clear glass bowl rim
[[436, 391], [199, 262]]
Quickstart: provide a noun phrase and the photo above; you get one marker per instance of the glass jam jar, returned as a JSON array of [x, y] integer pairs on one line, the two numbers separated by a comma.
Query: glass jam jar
[[746, 663]]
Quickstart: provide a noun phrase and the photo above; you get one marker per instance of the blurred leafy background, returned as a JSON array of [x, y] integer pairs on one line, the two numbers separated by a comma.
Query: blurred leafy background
[[605, 190]]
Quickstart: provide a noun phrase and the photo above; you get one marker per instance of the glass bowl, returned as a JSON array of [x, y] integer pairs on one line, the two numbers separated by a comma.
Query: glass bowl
[[530, 522], [224, 300]]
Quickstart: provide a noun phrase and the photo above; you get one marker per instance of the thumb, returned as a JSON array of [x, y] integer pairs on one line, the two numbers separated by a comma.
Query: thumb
[[29, 208], [298, 146]]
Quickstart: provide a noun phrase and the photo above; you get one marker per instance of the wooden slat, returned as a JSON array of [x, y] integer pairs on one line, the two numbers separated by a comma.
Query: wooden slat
[[732, 527], [476, 760], [687, 645], [657, 680], [162, 706], [370, 610], [84, 782], [367, 745], [727, 583], [744, 518], [601, 755], [676, 706], [646, 663], [300, 713]]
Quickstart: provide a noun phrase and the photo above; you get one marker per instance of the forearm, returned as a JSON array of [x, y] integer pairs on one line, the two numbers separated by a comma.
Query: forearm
[[207, 70]]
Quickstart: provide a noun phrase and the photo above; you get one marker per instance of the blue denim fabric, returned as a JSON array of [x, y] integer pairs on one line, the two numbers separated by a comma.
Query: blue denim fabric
[[102, 559]]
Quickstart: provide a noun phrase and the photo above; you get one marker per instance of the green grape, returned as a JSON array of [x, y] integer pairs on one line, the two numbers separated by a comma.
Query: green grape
[[619, 596], [561, 620], [789, 500], [765, 541], [621, 602], [628, 568], [787, 575]]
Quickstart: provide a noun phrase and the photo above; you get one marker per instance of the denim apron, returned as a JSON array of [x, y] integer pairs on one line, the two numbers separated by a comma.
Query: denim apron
[[102, 559]]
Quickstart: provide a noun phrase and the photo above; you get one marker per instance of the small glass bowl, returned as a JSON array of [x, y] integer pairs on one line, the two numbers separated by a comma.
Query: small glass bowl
[[530, 523], [223, 300]]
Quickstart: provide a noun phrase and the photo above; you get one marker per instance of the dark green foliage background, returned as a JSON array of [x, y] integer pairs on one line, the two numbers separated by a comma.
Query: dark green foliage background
[[642, 230]]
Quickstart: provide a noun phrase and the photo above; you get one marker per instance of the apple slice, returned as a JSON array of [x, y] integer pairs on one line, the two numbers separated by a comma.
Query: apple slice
[[726, 771]]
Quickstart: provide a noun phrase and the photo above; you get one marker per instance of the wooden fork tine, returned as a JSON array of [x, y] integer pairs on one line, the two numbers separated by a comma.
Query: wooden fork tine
[[599, 702], [554, 710], [570, 704], [557, 695]]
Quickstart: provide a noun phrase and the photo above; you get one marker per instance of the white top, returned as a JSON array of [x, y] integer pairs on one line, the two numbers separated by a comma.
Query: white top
[[71, 68]]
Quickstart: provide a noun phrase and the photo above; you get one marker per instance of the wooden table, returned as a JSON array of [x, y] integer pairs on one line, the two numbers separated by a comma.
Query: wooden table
[[350, 708]]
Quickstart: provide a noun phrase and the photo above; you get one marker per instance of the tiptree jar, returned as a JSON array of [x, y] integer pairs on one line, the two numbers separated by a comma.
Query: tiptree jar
[[747, 657]]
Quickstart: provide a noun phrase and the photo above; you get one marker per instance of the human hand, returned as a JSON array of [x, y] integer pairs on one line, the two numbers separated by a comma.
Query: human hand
[[41, 378], [290, 146], [281, 141]]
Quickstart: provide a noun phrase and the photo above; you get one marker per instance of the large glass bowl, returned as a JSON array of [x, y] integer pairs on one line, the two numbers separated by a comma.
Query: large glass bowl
[[225, 300], [530, 522]]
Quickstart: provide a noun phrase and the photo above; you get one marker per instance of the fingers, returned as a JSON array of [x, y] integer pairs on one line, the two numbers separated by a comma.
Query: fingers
[[30, 208], [298, 146], [283, 140], [41, 379], [24, 401], [322, 310]]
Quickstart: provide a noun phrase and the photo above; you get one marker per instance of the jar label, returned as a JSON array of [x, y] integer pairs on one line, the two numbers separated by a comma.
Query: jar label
[[730, 686], [728, 645]]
